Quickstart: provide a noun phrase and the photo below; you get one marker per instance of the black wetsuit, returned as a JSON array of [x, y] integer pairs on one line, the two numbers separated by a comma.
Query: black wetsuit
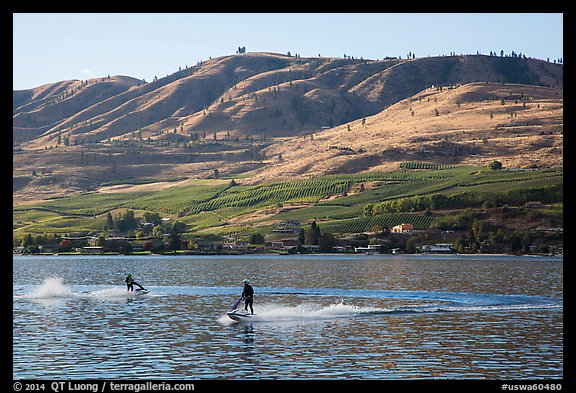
[[248, 295], [130, 283]]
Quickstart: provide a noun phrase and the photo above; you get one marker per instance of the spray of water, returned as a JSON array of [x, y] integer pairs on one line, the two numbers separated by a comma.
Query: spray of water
[[52, 287], [306, 312]]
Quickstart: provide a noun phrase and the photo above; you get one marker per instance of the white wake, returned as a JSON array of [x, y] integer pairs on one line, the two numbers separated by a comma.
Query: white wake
[[54, 288], [304, 312]]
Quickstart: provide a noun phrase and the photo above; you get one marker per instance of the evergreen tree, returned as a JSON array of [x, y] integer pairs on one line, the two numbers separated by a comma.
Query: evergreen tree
[[516, 243], [313, 233], [109, 221], [27, 240], [175, 236], [301, 238]]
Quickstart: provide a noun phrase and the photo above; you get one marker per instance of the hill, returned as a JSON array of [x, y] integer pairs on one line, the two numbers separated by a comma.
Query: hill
[[472, 124], [264, 117]]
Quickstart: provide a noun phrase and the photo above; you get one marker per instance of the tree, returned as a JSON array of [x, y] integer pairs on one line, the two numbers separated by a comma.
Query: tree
[[411, 245], [32, 249], [191, 244], [101, 241], [152, 218], [109, 221], [301, 237], [127, 221], [368, 209], [175, 236], [65, 245], [527, 239], [313, 234], [256, 238], [27, 240], [479, 229], [495, 165], [157, 232], [326, 242], [516, 243], [460, 244]]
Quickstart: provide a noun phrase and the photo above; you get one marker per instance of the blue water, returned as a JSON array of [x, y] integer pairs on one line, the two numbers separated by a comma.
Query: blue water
[[327, 317]]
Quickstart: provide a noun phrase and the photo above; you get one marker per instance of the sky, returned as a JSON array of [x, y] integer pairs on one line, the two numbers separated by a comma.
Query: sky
[[52, 47]]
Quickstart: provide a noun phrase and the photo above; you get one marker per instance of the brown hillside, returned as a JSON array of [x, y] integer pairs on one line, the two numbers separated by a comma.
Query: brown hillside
[[44, 112], [518, 125], [284, 117], [260, 94]]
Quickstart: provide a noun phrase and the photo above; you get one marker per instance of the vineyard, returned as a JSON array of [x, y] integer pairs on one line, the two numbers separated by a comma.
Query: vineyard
[[89, 205], [382, 221], [309, 190], [177, 200], [425, 165], [347, 203]]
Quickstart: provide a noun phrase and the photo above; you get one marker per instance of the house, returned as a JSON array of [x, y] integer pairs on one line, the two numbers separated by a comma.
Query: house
[[401, 228], [207, 245], [533, 204], [371, 249], [282, 245], [119, 245], [287, 227], [275, 245], [48, 249], [236, 246], [92, 250], [439, 248], [311, 247]]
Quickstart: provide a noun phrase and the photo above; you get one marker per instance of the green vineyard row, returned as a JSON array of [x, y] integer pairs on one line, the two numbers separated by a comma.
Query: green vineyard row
[[382, 221]]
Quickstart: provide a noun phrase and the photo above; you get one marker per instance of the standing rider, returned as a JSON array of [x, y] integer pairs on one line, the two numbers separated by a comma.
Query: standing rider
[[130, 282], [248, 295]]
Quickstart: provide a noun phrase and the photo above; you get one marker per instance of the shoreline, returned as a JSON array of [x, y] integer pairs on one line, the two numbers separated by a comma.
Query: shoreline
[[272, 254]]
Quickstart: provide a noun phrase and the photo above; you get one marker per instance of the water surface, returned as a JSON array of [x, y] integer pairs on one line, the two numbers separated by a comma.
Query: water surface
[[318, 317]]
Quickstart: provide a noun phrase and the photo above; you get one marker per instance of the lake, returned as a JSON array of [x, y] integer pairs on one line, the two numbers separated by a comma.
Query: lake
[[317, 317]]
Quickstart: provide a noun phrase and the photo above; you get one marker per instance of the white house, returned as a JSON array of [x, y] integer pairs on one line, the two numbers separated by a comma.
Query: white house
[[439, 248]]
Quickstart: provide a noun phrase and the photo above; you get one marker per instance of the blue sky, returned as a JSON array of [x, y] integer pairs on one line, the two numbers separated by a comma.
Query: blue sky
[[51, 47]]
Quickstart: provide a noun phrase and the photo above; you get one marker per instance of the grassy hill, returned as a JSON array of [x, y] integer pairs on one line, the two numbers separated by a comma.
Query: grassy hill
[[338, 203]]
